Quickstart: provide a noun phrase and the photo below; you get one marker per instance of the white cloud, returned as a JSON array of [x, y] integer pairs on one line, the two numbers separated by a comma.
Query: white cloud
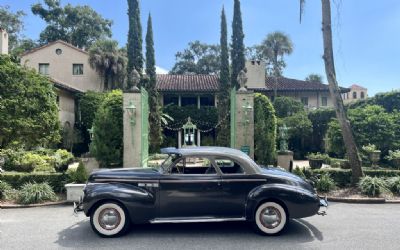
[[160, 70]]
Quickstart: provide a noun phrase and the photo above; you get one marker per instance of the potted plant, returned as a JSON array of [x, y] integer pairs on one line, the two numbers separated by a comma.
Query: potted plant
[[394, 156], [316, 160], [78, 177], [373, 154]]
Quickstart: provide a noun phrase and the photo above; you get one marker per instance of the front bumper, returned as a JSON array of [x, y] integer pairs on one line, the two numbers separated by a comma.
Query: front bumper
[[323, 206], [78, 207]]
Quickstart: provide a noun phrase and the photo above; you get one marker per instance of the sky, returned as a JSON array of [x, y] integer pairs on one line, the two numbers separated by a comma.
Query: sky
[[366, 34]]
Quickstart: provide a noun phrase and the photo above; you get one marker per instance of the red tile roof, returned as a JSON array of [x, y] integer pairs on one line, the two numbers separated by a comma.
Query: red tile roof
[[355, 86], [288, 84], [187, 83], [51, 43]]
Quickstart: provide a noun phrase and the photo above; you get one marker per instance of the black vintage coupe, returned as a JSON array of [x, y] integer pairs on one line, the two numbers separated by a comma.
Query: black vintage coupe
[[198, 184]]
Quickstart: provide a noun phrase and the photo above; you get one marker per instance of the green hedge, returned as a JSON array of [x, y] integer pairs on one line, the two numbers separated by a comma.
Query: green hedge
[[17, 180], [342, 177]]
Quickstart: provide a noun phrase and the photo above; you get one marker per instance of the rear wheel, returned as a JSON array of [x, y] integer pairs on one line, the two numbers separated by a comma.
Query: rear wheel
[[270, 218], [109, 220]]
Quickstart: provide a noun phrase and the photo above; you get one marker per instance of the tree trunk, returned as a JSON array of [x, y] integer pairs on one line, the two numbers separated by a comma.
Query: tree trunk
[[347, 133]]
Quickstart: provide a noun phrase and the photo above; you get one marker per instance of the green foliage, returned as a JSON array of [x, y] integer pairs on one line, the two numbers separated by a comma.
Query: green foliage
[[28, 109], [373, 186], [369, 148], [34, 162], [13, 23], [394, 184], [16, 179], [107, 142], [393, 155], [134, 46], [390, 101], [205, 117], [371, 125], [155, 130], [264, 130], [297, 171], [197, 58], [238, 49], [325, 183], [320, 119], [223, 132], [207, 141], [78, 175], [287, 106], [78, 25], [5, 188], [314, 78], [318, 156], [36, 193], [62, 158], [109, 62], [89, 102], [22, 46]]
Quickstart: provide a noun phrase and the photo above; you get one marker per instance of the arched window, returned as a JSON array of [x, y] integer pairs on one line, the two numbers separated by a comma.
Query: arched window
[[362, 95], [354, 95]]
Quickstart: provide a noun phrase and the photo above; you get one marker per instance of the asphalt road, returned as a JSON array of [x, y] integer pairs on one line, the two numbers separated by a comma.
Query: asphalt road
[[346, 226]]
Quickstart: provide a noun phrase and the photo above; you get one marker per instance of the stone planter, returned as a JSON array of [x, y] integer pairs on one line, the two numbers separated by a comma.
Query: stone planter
[[374, 157], [285, 160], [74, 191], [315, 163]]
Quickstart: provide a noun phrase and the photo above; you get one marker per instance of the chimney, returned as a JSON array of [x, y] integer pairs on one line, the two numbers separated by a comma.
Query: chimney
[[255, 74], [3, 42]]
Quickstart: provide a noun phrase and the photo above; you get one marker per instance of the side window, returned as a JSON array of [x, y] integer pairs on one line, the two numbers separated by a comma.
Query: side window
[[227, 166], [193, 165]]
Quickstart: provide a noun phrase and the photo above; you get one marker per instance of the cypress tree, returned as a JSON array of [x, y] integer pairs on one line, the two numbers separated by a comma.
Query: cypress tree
[[224, 82], [134, 46], [237, 52], [155, 136]]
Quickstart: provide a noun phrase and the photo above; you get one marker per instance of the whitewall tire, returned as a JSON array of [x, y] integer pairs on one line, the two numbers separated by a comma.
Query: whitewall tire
[[270, 218], [109, 220]]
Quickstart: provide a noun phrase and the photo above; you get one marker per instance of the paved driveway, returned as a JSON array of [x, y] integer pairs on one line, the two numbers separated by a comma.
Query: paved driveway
[[346, 226]]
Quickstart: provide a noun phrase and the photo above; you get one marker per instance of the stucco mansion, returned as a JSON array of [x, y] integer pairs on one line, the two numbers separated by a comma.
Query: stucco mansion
[[68, 68]]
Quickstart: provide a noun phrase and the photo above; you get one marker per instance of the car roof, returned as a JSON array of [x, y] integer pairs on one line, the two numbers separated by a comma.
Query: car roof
[[211, 151]]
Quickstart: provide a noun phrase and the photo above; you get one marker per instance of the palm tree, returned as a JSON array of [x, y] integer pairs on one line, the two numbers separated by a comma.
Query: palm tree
[[108, 61], [274, 47], [347, 132]]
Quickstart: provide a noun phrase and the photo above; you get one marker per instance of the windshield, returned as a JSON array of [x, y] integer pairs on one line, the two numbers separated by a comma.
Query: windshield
[[167, 162]]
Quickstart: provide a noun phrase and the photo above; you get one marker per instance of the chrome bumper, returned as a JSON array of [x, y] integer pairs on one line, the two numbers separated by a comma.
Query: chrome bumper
[[78, 207], [323, 206]]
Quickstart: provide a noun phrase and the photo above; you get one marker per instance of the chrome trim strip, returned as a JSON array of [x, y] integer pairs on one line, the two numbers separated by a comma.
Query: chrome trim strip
[[213, 180], [126, 180], [194, 220], [245, 180]]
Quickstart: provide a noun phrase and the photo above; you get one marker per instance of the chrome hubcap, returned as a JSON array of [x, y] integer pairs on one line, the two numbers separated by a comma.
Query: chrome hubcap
[[270, 217], [109, 218]]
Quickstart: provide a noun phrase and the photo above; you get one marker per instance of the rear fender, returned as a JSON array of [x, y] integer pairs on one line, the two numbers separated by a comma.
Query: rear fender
[[296, 201]]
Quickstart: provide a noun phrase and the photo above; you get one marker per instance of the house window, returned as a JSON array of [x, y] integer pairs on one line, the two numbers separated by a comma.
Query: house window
[[207, 100], [304, 100], [170, 99], [77, 69], [354, 95], [324, 101], [188, 100], [44, 68], [362, 95]]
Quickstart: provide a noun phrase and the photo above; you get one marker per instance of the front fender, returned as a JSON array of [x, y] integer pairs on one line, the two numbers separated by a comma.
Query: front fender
[[298, 202], [132, 197]]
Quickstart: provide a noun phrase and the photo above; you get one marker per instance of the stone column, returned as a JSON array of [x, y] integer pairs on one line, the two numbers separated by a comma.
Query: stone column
[[245, 122], [132, 130]]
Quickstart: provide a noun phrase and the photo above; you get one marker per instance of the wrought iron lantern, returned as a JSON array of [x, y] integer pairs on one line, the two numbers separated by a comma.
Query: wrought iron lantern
[[131, 110], [189, 130]]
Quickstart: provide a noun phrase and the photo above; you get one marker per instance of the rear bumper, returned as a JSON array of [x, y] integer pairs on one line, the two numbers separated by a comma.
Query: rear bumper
[[323, 206]]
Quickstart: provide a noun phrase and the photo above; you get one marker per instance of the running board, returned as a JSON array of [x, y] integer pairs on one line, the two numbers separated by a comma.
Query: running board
[[194, 220]]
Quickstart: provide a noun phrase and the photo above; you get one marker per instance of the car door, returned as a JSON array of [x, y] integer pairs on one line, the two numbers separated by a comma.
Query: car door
[[236, 184], [190, 188]]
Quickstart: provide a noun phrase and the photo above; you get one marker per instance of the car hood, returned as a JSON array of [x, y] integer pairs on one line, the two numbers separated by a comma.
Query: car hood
[[289, 177], [124, 173]]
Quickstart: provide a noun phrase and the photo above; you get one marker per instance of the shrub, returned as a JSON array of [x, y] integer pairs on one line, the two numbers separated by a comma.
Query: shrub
[[78, 175], [31, 161], [325, 183], [62, 159], [264, 129], [320, 119], [36, 193], [17, 180], [394, 156], [286, 106], [4, 189], [107, 143], [394, 184], [297, 171], [318, 156], [373, 186]]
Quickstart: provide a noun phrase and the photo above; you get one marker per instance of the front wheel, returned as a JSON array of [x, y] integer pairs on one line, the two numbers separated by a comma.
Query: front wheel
[[270, 218], [109, 220]]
